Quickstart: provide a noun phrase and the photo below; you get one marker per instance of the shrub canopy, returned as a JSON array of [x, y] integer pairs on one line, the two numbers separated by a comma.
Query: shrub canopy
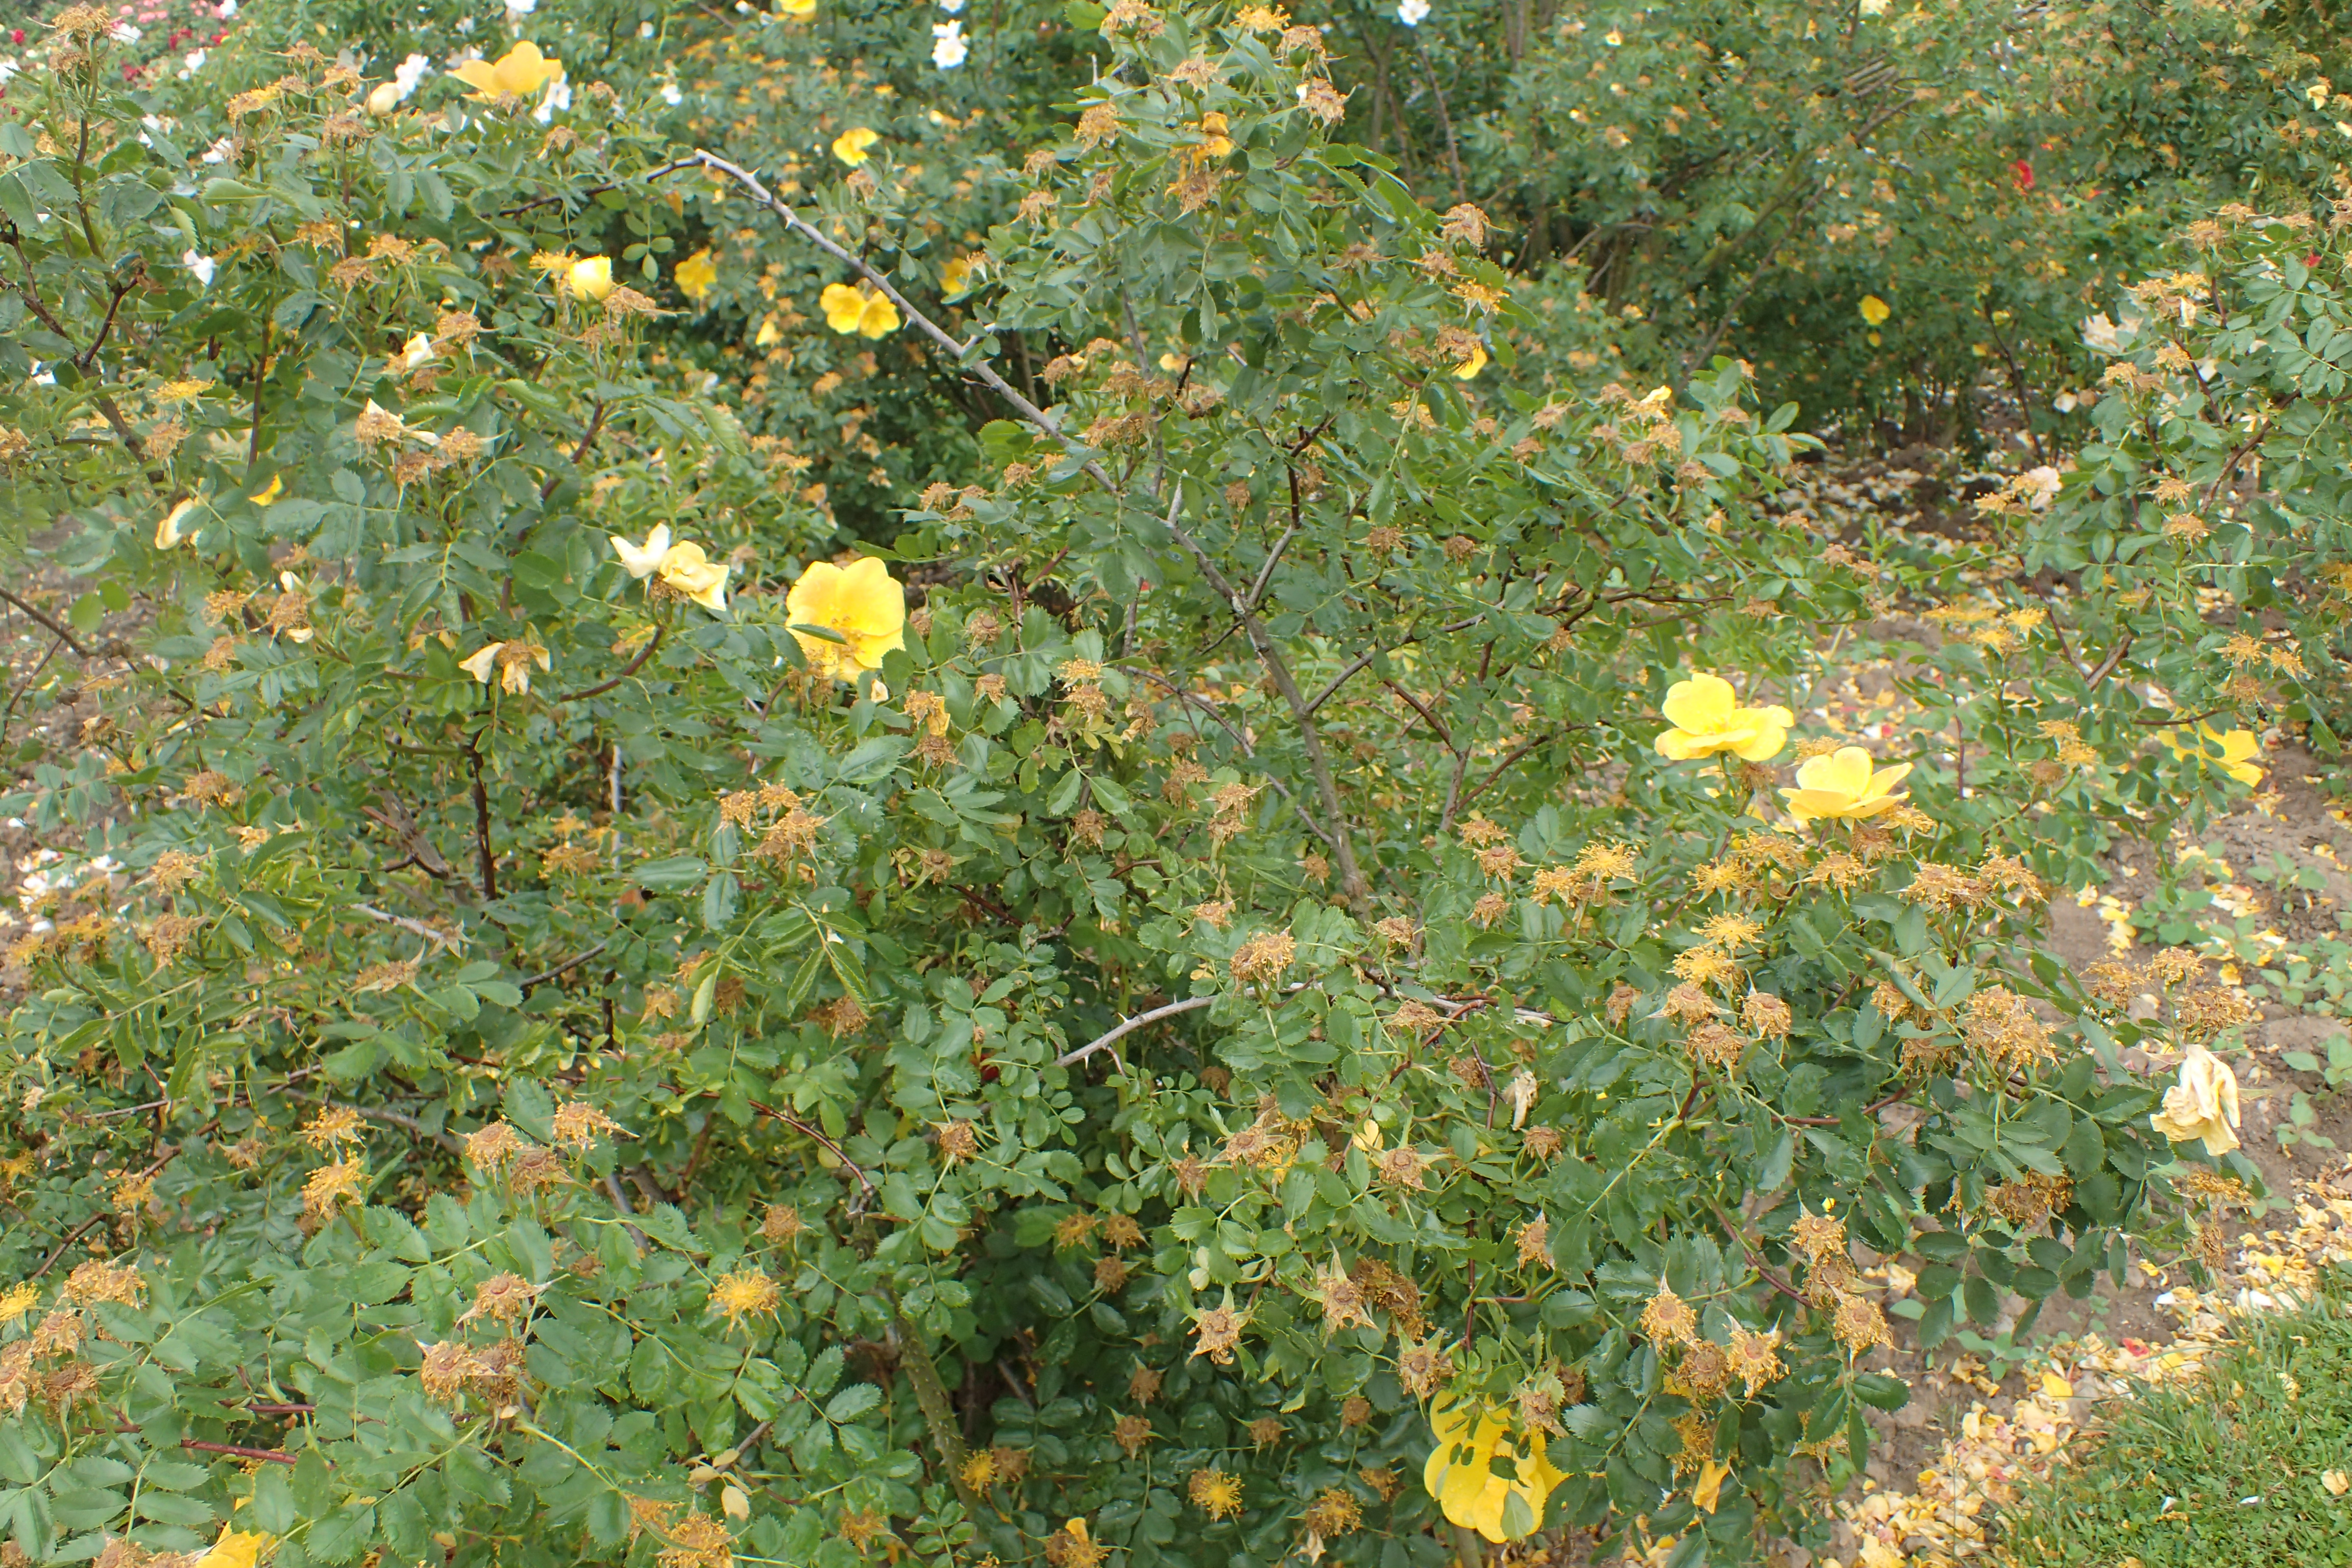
[[1013, 807]]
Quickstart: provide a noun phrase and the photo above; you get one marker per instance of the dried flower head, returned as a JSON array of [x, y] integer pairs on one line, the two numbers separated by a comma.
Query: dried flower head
[[1219, 1331], [1262, 957], [502, 1297], [1756, 1358], [1334, 1511], [1667, 1319]]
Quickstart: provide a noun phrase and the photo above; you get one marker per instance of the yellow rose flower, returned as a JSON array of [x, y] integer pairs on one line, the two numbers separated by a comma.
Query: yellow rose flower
[[859, 310], [863, 605], [1876, 311], [236, 1549], [1707, 718], [591, 279], [2233, 752], [1461, 1476], [267, 494], [684, 567], [169, 532], [643, 559], [853, 147], [1844, 784], [959, 276], [2203, 1104], [1471, 364], [796, 10], [520, 73], [509, 661], [697, 275]]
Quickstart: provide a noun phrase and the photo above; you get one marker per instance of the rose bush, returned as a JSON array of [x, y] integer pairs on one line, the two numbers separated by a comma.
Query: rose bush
[[1282, 958]]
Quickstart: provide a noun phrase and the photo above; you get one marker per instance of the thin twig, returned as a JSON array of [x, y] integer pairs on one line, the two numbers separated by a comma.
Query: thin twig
[[25, 685], [1359, 662], [595, 423], [634, 665], [78, 1232], [269, 1456], [1755, 1258], [438, 939], [61, 633], [797, 1125], [1503, 766], [2108, 664], [567, 966], [483, 855], [1105, 1041], [1873, 1109], [670, 168]]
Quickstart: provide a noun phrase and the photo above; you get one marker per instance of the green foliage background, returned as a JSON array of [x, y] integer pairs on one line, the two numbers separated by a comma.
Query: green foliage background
[[668, 1113]]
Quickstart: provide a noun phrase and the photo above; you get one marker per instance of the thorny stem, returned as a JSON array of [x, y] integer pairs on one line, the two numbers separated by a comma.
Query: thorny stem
[[483, 855]]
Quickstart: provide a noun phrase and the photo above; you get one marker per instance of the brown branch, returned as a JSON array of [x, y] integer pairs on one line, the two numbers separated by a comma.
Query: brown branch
[[634, 665], [797, 1125], [61, 633], [87, 355], [487, 861], [1360, 660], [1873, 1109], [2109, 663], [595, 423], [267, 1455], [1436, 725], [1503, 766], [567, 966], [78, 1232], [1755, 1258]]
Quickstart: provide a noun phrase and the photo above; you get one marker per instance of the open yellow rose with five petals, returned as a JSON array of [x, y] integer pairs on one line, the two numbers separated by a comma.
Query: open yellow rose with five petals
[[2203, 1104], [859, 310], [855, 145], [1461, 1476], [683, 566], [861, 604], [1844, 784], [519, 73], [1707, 718]]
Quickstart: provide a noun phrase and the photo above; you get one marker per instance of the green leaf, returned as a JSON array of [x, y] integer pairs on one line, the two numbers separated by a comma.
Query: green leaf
[[851, 1403], [672, 875]]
